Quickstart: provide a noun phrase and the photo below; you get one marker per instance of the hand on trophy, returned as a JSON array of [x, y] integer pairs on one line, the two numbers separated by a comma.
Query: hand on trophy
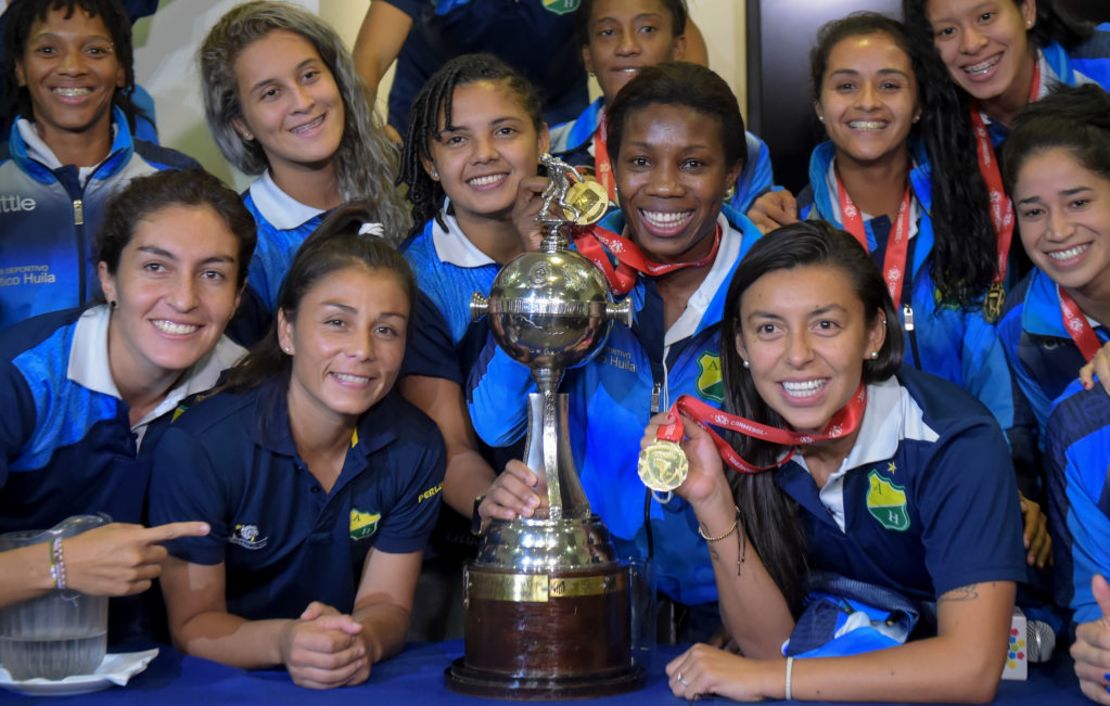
[[529, 201], [706, 478], [518, 492]]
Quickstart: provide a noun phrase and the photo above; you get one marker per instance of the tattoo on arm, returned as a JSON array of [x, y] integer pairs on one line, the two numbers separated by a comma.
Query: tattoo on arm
[[961, 594]]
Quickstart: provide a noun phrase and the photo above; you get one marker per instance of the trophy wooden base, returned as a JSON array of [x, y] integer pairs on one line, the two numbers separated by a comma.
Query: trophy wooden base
[[475, 682], [556, 635]]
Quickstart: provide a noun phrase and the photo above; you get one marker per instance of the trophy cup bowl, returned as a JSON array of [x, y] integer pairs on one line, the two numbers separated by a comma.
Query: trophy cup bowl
[[547, 601]]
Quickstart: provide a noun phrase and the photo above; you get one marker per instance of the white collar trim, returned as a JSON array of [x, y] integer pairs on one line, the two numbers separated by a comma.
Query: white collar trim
[[834, 202], [687, 324], [453, 247], [279, 208]]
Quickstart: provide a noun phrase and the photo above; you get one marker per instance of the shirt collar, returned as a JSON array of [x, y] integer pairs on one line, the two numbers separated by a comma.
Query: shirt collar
[[89, 367], [834, 199], [279, 208], [453, 247], [1040, 312], [373, 432], [38, 150], [687, 324]]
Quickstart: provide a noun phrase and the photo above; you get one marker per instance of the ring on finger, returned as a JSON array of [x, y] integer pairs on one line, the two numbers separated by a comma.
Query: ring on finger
[[682, 680]]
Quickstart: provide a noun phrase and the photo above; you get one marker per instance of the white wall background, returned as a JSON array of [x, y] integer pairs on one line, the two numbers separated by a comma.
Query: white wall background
[[166, 45]]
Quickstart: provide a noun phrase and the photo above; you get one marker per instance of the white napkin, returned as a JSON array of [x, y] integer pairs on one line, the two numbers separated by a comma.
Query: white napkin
[[116, 668]]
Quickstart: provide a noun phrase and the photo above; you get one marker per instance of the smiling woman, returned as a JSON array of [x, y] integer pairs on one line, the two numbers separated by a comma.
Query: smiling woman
[[67, 107], [320, 515], [92, 391], [283, 101]]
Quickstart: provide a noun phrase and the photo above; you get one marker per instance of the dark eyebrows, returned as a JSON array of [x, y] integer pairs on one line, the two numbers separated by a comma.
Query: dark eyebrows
[[272, 79], [162, 252], [1063, 192]]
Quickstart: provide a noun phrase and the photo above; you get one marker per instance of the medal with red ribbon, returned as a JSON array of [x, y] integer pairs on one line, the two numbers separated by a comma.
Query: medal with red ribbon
[[663, 466], [1077, 325], [603, 166], [630, 259], [1001, 208], [894, 261]]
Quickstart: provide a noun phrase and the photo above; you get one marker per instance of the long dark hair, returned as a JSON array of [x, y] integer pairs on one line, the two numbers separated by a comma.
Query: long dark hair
[[963, 261], [22, 14], [769, 515], [334, 245], [435, 99], [1075, 119]]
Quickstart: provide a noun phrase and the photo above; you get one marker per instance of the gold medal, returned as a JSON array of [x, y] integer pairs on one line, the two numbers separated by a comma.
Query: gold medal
[[663, 466], [589, 198], [992, 305]]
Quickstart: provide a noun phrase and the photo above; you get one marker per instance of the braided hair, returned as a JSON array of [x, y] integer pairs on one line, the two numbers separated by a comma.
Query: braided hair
[[431, 114]]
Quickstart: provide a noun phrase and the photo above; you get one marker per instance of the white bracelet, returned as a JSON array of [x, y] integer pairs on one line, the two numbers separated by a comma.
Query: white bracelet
[[789, 678]]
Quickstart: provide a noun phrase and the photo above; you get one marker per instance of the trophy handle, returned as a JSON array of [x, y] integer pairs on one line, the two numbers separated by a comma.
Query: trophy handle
[[479, 306], [621, 311]]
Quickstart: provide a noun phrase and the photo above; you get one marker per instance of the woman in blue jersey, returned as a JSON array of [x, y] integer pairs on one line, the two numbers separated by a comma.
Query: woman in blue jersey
[[69, 78], [283, 101], [89, 392], [319, 482], [878, 494], [476, 131], [678, 143], [617, 39]]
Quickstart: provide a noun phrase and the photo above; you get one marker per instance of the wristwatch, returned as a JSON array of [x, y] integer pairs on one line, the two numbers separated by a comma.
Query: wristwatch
[[475, 518]]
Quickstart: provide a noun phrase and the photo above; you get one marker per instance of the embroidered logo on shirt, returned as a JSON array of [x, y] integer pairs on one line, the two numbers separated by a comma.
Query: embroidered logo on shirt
[[886, 501], [710, 384], [364, 524], [430, 493], [561, 7], [247, 537]]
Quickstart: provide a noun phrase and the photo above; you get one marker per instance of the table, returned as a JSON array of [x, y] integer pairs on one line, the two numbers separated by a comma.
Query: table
[[415, 678]]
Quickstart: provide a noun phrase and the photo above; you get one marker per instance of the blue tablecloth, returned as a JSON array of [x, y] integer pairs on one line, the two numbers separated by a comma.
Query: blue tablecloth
[[415, 677]]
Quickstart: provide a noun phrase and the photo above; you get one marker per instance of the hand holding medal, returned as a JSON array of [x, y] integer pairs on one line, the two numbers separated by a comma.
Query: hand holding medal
[[663, 465]]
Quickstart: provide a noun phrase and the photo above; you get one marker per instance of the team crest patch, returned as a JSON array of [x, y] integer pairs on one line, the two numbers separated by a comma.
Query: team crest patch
[[886, 501], [561, 7], [247, 537], [710, 384], [364, 524]]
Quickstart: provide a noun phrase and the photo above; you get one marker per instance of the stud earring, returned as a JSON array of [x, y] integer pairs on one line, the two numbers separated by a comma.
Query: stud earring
[[821, 119], [435, 174], [113, 304], [874, 355], [747, 364]]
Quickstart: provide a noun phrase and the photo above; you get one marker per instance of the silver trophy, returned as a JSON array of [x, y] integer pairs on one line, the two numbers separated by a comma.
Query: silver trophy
[[546, 599]]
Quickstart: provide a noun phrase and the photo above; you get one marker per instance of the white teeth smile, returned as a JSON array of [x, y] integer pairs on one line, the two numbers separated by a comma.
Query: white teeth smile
[[173, 328], [72, 92], [1069, 253], [309, 125], [867, 124], [485, 180], [351, 379], [666, 219], [984, 67], [806, 388]]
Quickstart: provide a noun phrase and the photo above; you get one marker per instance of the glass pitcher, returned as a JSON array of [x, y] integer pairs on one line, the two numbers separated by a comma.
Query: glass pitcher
[[61, 633]]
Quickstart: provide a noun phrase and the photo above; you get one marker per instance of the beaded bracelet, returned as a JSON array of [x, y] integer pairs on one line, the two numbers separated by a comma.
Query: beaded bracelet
[[728, 533], [742, 549], [57, 564]]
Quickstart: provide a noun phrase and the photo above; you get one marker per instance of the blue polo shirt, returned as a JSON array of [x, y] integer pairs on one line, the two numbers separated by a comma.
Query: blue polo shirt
[[536, 37], [1077, 456], [283, 224], [924, 503], [66, 443], [285, 542], [449, 269], [1041, 353]]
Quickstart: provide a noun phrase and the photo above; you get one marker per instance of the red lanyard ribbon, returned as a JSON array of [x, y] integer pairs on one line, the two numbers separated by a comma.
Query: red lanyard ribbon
[[843, 423], [894, 261], [1002, 209], [1077, 325], [603, 166], [593, 242]]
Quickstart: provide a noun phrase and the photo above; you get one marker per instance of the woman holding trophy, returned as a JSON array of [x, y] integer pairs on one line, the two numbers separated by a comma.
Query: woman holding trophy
[[676, 140]]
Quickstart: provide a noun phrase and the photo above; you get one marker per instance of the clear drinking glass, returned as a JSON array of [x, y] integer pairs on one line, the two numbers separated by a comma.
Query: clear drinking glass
[[644, 623], [61, 633]]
